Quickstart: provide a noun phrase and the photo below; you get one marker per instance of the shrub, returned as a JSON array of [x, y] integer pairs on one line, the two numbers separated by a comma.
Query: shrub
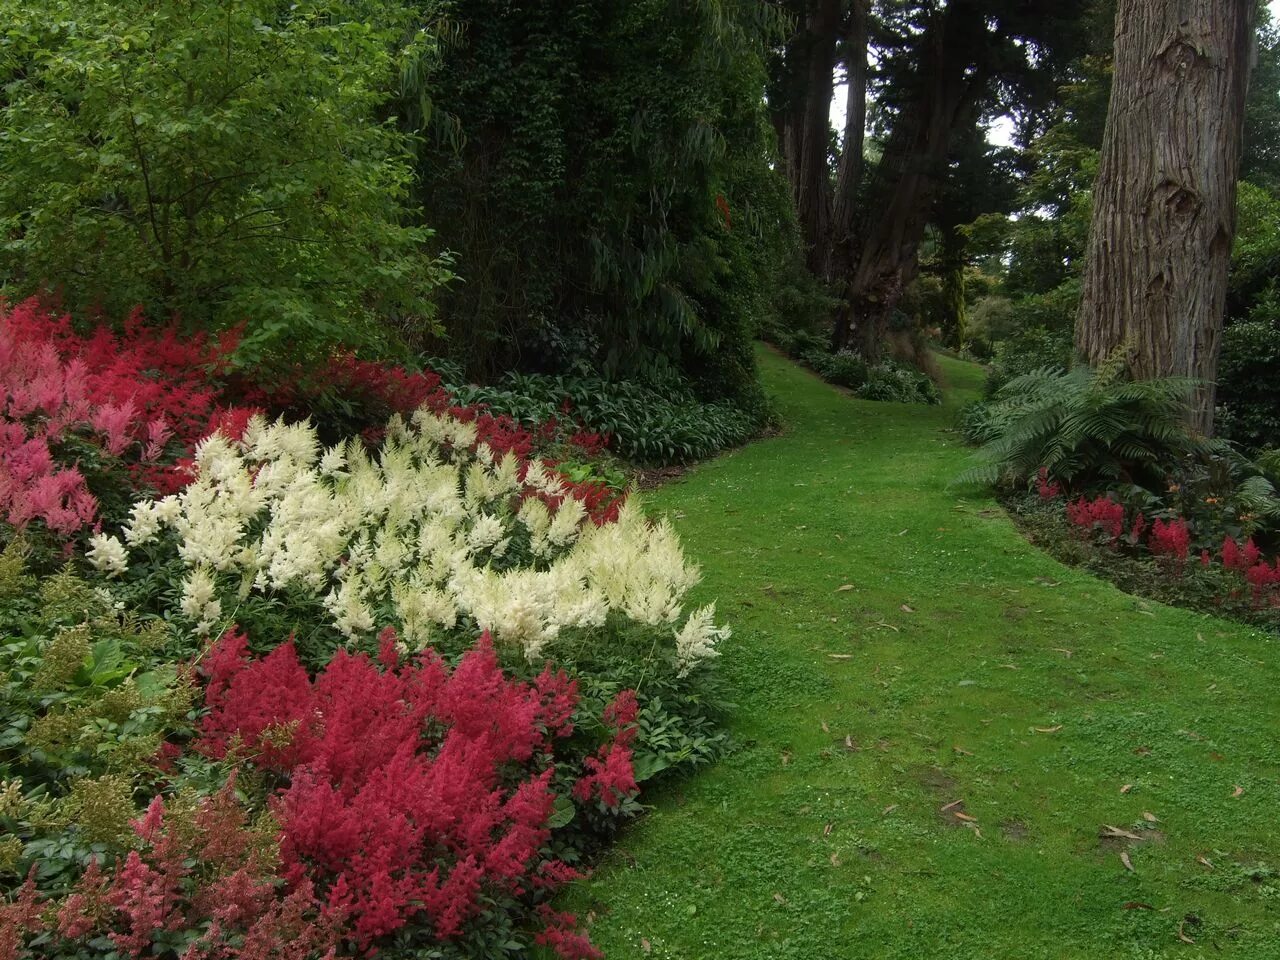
[[1087, 428], [898, 383], [1249, 411], [1027, 350], [189, 178], [643, 424]]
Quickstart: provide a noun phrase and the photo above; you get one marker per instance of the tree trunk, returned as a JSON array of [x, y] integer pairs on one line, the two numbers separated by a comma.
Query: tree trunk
[[952, 267], [909, 174], [849, 177], [812, 172], [1164, 202]]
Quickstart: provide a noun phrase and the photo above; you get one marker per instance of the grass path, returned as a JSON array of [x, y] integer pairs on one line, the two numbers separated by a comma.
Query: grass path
[[961, 665]]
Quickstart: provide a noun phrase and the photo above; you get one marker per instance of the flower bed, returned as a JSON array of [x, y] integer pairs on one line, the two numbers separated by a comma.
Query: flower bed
[[290, 699]]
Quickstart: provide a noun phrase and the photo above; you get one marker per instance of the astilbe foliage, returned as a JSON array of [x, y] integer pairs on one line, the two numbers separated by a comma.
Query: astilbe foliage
[[410, 793], [200, 876]]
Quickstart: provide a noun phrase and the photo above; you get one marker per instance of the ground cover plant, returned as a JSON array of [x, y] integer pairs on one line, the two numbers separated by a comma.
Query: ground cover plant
[[276, 698], [953, 738]]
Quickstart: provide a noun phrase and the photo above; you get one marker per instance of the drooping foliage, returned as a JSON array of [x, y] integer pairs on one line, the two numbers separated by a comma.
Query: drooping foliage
[[611, 203]]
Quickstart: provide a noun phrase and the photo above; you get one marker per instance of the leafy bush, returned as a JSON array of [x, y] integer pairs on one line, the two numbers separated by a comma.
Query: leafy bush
[[1248, 370], [643, 424], [1086, 427], [898, 383], [1025, 351], [88, 696], [190, 177]]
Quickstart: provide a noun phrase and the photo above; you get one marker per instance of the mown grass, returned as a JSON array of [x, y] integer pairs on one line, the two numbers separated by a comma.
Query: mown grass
[[899, 647]]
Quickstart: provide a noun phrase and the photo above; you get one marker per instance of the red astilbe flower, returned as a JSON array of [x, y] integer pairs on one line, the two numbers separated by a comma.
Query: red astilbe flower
[[20, 917], [139, 396], [414, 793], [1171, 540], [203, 870], [1046, 487], [1101, 513], [1263, 578], [612, 775], [1240, 560]]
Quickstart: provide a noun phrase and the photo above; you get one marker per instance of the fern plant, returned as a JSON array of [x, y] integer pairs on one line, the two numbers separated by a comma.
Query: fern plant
[[1084, 426]]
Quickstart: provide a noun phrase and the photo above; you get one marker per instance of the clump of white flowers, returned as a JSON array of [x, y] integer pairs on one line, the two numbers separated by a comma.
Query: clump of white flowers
[[434, 531]]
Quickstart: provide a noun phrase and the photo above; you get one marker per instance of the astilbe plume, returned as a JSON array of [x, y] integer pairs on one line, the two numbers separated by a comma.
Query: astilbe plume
[[1240, 559], [412, 792], [1046, 486], [1101, 513], [200, 870], [1171, 540], [135, 395]]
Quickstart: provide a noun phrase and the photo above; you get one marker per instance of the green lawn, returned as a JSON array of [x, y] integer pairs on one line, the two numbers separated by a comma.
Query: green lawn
[[898, 648]]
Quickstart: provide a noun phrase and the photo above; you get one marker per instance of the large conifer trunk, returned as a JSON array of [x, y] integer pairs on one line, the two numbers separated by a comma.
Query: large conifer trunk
[[1164, 202]]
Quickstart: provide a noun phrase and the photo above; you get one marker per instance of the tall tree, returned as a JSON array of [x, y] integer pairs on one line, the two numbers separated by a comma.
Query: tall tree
[[1164, 202]]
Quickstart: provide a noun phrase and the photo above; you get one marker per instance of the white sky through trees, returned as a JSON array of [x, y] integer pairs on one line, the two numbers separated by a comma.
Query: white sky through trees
[[999, 133]]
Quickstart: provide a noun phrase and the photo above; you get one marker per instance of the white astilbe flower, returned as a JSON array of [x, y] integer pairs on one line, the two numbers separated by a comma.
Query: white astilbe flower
[[199, 600], [334, 461], [144, 524], [696, 640], [415, 529], [351, 615], [537, 520], [108, 554]]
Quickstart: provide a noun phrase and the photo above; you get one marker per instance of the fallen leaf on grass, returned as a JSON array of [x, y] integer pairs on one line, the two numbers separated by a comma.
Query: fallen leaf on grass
[[888, 810], [905, 608], [974, 827], [1182, 934], [840, 656], [1110, 831], [1150, 817], [1137, 905], [1204, 862], [780, 898], [835, 859], [962, 751], [843, 587], [849, 743], [1064, 651], [825, 728], [1128, 864], [881, 623], [902, 533], [1238, 791], [826, 831], [964, 816], [1010, 666], [952, 805], [1047, 729], [645, 945], [1126, 788]]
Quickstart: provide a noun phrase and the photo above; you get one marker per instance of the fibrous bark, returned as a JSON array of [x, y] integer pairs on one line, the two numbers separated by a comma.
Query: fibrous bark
[[1164, 202]]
